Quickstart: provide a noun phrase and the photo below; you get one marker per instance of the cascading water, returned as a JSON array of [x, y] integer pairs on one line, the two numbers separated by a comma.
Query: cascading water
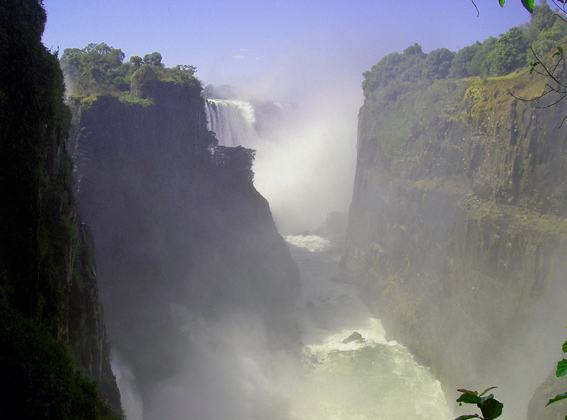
[[232, 121]]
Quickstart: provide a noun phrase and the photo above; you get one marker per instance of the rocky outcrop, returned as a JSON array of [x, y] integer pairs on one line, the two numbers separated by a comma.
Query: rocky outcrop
[[457, 233], [52, 320], [182, 235]]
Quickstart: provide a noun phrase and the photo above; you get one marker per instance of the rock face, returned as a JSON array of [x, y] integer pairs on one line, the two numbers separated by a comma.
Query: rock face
[[52, 320], [457, 231], [182, 235]]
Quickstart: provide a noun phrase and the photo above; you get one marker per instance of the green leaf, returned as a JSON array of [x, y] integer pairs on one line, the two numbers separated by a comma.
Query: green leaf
[[468, 397], [486, 390], [491, 408], [529, 5], [561, 368], [467, 416], [466, 391], [558, 397], [502, 2], [560, 49]]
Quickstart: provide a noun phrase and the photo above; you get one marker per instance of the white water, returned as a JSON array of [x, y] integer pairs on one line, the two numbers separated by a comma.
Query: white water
[[232, 121], [371, 380]]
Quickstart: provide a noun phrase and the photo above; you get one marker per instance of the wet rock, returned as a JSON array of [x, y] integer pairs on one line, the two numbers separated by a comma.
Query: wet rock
[[355, 336]]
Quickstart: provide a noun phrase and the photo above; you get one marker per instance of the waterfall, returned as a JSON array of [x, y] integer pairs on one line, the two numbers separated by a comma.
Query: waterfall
[[232, 121]]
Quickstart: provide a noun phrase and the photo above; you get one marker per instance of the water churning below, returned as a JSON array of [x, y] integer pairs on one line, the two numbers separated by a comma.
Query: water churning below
[[235, 374], [363, 379]]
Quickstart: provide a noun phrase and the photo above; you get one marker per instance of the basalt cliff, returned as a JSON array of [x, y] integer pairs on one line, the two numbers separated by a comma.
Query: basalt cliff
[[54, 353], [457, 232], [183, 237]]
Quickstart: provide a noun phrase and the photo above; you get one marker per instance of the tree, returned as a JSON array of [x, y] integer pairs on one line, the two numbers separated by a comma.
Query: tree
[[153, 59], [459, 67], [480, 63], [136, 61], [438, 63], [509, 52], [96, 64], [542, 19]]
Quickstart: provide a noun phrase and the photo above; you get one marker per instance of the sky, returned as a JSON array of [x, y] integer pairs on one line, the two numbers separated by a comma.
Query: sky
[[287, 46]]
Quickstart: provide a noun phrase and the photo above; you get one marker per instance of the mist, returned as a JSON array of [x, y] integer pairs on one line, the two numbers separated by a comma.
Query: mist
[[305, 162], [306, 170]]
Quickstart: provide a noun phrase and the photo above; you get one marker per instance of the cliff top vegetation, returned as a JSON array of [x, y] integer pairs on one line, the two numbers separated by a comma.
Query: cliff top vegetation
[[500, 56], [100, 69]]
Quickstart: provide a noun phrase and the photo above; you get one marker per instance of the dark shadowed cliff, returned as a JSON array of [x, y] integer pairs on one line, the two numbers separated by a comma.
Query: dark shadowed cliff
[[457, 231], [183, 237], [52, 332]]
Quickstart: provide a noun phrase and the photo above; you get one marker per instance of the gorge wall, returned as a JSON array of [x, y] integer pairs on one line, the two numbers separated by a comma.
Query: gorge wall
[[52, 333], [457, 232], [183, 237]]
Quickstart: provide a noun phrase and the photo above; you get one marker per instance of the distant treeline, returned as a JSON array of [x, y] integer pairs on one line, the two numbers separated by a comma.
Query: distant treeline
[[492, 57]]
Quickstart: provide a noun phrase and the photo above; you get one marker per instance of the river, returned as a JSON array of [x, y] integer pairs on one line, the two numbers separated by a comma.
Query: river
[[371, 378]]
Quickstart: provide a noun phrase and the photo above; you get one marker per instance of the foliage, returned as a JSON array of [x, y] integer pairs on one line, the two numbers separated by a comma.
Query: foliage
[[560, 371], [43, 381], [38, 229], [236, 162], [398, 73], [100, 69], [437, 63], [96, 65], [542, 19], [490, 407], [404, 67], [459, 68], [509, 52], [153, 59], [528, 4], [480, 63]]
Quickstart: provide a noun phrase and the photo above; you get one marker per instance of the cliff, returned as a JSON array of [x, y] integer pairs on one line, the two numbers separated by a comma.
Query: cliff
[[52, 333], [457, 233], [182, 235]]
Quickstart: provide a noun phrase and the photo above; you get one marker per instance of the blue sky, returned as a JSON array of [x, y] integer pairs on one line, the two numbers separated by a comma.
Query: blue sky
[[296, 42]]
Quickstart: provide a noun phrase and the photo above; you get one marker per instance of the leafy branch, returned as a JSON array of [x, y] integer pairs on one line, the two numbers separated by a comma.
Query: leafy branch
[[559, 372], [550, 71], [490, 407]]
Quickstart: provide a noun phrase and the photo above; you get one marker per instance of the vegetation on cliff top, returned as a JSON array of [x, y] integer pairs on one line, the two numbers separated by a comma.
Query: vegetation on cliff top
[[492, 57], [100, 69]]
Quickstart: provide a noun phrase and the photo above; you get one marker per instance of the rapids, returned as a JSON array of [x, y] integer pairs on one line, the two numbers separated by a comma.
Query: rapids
[[373, 379]]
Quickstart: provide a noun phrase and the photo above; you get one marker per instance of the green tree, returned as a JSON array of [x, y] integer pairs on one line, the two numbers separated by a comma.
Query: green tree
[[438, 63], [509, 52], [480, 63], [406, 67], [96, 64], [136, 61], [459, 67], [542, 19], [153, 59]]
